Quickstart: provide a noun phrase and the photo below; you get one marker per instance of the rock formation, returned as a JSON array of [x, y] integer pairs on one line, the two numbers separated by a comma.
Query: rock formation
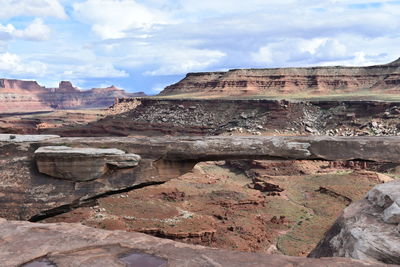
[[382, 78], [43, 176], [162, 159], [81, 164], [152, 116], [217, 205], [368, 229], [29, 244], [18, 96]]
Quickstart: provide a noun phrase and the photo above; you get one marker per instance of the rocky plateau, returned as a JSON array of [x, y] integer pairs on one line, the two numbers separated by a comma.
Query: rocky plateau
[[312, 80], [17, 96], [225, 179]]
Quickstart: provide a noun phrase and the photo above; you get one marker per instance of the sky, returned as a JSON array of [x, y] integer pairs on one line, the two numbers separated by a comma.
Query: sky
[[145, 45]]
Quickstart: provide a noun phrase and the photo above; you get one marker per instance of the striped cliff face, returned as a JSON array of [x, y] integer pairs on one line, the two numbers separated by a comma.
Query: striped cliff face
[[17, 96], [385, 78]]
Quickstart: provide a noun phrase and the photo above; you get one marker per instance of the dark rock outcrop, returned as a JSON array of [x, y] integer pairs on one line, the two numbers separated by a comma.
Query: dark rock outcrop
[[152, 116], [368, 229]]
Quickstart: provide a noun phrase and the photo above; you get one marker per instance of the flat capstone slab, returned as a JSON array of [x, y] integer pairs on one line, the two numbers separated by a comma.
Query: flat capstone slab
[[81, 164], [21, 138], [88, 151]]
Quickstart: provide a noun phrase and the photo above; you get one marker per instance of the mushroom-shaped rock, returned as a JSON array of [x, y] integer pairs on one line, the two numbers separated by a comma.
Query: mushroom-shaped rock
[[81, 164]]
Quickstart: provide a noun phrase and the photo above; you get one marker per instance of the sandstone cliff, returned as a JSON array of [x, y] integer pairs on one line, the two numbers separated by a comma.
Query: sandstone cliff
[[28, 96], [336, 79]]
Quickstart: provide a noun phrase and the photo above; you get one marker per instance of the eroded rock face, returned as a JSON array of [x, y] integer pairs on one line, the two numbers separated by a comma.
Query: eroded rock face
[[368, 229], [28, 96], [385, 78], [81, 164], [155, 116], [214, 206], [22, 185], [77, 245]]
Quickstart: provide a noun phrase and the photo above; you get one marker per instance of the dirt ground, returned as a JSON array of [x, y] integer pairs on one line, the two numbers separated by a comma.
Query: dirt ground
[[268, 206]]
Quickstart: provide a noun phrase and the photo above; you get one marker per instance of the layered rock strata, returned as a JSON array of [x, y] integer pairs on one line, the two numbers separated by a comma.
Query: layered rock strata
[[29, 244], [18, 96], [81, 164], [368, 229], [151, 116], [23, 186], [383, 78]]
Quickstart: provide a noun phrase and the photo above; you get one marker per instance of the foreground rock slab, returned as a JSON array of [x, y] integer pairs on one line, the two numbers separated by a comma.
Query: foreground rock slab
[[184, 148], [368, 229], [81, 164], [25, 192], [30, 244]]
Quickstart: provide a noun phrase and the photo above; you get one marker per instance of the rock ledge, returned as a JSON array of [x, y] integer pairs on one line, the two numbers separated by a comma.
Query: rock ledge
[[81, 164]]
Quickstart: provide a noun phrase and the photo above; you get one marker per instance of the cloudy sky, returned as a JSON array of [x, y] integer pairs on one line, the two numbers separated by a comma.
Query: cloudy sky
[[144, 45]]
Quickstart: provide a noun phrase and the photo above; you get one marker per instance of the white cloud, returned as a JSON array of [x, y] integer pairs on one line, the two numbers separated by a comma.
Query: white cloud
[[93, 71], [345, 50], [113, 18], [173, 37], [295, 51], [12, 64], [6, 31], [36, 31], [184, 60], [42, 8]]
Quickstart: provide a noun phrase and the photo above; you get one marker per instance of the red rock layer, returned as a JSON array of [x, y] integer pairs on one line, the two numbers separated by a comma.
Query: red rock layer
[[18, 96], [291, 80]]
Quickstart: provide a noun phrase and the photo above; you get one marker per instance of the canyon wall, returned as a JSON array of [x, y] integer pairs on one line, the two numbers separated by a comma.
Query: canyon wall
[[18, 96], [291, 80], [154, 116]]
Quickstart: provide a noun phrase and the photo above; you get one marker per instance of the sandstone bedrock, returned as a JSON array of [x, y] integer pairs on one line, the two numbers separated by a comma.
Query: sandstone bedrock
[[368, 229], [162, 159], [63, 244], [81, 164], [338, 79]]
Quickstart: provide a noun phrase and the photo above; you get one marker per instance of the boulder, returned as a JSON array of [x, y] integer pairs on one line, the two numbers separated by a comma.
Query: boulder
[[62, 244], [368, 229], [81, 164]]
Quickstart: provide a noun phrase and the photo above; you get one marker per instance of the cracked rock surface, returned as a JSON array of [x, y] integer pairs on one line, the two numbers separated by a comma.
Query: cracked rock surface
[[25, 192], [81, 164], [368, 229], [62, 244]]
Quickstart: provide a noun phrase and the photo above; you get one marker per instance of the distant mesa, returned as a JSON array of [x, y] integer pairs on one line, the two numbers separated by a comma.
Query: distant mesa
[[311, 80], [18, 96], [67, 87]]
